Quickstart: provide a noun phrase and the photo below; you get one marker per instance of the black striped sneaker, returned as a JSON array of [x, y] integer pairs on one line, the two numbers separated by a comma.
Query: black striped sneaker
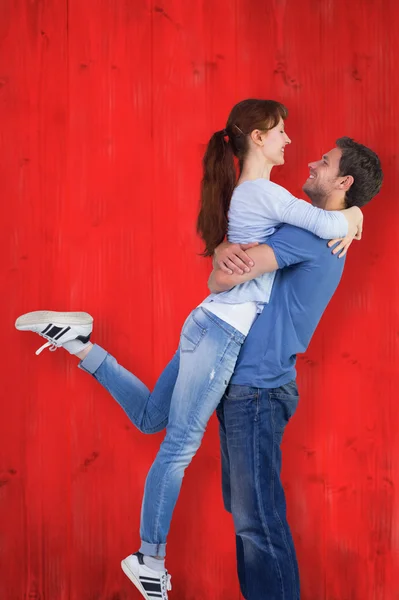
[[71, 330], [151, 584]]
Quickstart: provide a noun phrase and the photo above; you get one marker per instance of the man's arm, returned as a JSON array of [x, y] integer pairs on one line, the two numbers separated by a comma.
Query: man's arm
[[287, 246], [265, 262], [233, 258]]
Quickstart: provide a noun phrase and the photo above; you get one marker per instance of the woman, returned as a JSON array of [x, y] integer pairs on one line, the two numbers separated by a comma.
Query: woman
[[191, 386]]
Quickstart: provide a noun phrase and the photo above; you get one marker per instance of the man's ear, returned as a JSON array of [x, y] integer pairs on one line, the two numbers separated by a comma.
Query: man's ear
[[346, 182]]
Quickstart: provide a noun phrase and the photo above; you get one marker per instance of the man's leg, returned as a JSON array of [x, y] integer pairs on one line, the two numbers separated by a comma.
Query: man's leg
[[254, 421], [226, 489], [226, 492]]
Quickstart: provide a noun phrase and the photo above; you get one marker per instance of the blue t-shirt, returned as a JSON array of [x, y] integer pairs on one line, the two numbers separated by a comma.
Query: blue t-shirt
[[303, 287]]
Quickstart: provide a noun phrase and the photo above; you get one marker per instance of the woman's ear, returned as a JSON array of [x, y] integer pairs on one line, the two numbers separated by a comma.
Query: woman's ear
[[256, 137]]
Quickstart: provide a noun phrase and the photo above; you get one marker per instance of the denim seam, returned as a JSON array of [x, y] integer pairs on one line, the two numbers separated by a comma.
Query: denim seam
[[155, 548], [97, 350], [277, 516], [196, 344], [203, 332], [204, 329], [183, 441], [151, 430], [239, 398], [261, 510]]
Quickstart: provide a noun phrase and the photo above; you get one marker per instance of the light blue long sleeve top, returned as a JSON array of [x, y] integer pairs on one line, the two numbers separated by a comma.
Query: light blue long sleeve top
[[257, 208]]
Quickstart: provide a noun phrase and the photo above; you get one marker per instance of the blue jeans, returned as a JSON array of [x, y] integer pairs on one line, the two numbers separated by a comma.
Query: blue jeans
[[183, 400], [252, 423]]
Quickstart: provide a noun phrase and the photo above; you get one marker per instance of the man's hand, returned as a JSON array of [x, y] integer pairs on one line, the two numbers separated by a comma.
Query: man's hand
[[232, 258]]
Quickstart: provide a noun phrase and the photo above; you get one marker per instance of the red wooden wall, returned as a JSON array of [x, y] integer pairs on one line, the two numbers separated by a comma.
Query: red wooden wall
[[106, 107]]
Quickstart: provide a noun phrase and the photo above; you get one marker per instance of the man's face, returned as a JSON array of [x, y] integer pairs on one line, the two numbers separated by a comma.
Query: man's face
[[323, 178]]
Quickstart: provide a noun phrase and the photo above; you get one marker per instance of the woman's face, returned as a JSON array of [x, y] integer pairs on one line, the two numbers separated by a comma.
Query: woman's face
[[274, 143]]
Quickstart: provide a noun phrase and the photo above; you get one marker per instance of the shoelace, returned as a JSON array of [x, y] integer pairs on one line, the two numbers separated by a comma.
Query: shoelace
[[166, 585], [50, 345]]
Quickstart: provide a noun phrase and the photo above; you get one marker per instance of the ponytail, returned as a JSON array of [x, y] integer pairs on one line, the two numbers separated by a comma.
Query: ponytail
[[217, 186], [219, 166]]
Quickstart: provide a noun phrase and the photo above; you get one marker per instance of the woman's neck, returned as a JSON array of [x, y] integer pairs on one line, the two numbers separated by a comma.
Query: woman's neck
[[257, 168]]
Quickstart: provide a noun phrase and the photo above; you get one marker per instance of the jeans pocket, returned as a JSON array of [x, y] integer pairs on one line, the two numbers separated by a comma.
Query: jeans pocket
[[240, 392], [288, 389], [192, 334], [285, 399]]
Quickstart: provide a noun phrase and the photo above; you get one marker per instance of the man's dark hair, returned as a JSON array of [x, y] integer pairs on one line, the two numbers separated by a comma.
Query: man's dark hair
[[364, 166]]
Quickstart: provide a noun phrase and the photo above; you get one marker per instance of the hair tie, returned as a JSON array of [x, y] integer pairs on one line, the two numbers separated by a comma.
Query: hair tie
[[225, 135]]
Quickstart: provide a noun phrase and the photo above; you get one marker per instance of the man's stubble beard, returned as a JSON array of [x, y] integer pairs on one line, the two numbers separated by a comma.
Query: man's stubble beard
[[316, 196]]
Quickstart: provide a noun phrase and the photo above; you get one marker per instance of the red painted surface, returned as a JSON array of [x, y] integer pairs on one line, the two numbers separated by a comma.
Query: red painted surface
[[106, 107]]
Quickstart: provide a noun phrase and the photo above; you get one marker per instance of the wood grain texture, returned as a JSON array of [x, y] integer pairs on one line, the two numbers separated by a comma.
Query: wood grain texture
[[106, 108]]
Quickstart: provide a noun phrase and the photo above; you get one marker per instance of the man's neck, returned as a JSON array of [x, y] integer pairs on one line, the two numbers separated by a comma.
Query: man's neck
[[333, 201]]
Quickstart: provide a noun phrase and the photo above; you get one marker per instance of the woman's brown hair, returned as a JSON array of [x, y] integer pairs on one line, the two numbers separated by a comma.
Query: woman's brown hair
[[219, 170]]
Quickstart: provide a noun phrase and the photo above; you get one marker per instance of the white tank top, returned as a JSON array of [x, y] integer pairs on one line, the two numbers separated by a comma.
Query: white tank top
[[240, 316]]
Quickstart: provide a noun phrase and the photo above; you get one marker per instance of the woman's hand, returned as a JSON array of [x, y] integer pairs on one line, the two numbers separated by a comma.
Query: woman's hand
[[355, 229], [232, 258]]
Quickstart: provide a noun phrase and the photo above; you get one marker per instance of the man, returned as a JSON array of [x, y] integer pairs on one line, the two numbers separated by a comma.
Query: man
[[262, 395]]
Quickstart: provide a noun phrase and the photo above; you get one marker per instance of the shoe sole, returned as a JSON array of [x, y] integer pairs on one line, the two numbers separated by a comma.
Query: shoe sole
[[136, 582], [41, 317]]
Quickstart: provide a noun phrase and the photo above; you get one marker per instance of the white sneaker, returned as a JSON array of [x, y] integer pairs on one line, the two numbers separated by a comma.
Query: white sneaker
[[151, 584], [70, 330]]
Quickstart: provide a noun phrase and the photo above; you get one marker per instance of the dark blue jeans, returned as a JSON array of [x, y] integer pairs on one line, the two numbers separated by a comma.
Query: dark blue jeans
[[252, 423]]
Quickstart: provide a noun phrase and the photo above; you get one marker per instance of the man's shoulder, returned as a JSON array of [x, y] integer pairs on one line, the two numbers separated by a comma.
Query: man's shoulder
[[297, 235], [292, 245]]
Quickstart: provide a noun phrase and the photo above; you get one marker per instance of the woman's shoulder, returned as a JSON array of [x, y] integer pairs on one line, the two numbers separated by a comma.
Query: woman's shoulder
[[262, 188], [270, 187]]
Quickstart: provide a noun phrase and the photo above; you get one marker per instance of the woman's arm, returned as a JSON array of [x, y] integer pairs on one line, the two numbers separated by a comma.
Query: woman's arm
[[265, 262], [326, 224]]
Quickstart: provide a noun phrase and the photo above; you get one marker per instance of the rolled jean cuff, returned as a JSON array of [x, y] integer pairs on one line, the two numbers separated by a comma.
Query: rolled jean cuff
[[153, 549], [93, 360]]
